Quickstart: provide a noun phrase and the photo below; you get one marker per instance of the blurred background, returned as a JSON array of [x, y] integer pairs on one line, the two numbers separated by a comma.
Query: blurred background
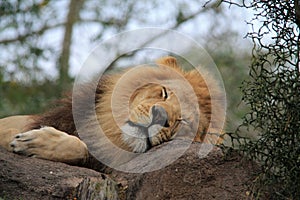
[[44, 43]]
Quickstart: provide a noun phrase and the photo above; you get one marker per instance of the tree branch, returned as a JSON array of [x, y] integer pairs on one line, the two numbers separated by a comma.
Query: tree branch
[[29, 34], [180, 20]]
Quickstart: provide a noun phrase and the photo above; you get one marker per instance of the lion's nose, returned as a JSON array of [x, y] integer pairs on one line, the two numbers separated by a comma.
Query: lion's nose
[[159, 116]]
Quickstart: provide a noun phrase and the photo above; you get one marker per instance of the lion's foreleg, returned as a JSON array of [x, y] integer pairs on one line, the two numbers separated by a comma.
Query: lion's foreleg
[[51, 144], [7, 136]]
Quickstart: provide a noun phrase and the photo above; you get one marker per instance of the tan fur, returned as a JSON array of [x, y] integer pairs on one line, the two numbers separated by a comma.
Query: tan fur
[[11, 126], [127, 102], [49, 143]]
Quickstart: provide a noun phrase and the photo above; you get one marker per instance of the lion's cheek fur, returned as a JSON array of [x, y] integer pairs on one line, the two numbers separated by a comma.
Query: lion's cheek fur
[[117, 130]]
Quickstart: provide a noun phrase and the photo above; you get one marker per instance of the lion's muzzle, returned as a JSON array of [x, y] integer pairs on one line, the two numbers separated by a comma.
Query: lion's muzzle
[[159, 116], [143, 132]]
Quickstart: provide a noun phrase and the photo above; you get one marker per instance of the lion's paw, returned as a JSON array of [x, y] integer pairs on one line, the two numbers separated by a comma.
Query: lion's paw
[[51, 144], [25, 143]]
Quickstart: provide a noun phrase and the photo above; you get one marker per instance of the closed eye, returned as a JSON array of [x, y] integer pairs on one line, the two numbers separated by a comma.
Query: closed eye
[[164, 93]]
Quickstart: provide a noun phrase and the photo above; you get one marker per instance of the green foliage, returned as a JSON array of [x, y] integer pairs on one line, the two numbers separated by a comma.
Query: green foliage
[[273, 94], [17, 98], [232, 66], [22, 49]]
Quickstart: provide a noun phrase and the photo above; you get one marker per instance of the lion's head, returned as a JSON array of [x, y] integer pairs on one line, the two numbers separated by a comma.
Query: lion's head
[[148, 105], [154, 117]]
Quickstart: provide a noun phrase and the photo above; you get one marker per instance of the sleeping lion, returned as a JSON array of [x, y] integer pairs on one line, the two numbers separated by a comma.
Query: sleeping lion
[[137, 109]]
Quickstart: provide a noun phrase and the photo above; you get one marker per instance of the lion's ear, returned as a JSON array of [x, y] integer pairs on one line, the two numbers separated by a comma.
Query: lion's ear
[[168, 61]]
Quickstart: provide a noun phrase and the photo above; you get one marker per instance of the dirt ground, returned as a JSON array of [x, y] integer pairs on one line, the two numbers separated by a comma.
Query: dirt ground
[[189, 177]]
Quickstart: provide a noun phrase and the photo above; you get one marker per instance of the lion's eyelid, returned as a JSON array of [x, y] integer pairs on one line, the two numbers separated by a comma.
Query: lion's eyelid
[[164, 93]]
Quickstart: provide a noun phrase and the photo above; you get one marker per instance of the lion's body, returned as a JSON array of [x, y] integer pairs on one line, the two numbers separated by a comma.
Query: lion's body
[[124, 103]]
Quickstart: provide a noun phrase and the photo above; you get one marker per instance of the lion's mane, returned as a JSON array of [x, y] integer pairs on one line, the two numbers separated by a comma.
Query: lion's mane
[[61, 115]]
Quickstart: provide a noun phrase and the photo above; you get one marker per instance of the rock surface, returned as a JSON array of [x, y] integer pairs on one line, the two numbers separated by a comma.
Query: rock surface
[[190, 177], [31, 178]]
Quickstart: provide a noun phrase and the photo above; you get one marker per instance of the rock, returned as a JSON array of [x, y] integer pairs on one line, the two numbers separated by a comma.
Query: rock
[[190, 176], [30, 178]]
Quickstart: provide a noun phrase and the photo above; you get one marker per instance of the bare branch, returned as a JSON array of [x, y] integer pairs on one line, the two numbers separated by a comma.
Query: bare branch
[[242, 4], [176, 26], [192, 16], [30, 34]]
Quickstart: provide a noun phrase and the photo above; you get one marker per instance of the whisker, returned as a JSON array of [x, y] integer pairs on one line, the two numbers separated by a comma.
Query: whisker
[[182, 120]]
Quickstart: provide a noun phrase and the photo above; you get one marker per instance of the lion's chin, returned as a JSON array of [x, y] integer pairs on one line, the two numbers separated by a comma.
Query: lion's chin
[[136, 137], [139, 138]]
